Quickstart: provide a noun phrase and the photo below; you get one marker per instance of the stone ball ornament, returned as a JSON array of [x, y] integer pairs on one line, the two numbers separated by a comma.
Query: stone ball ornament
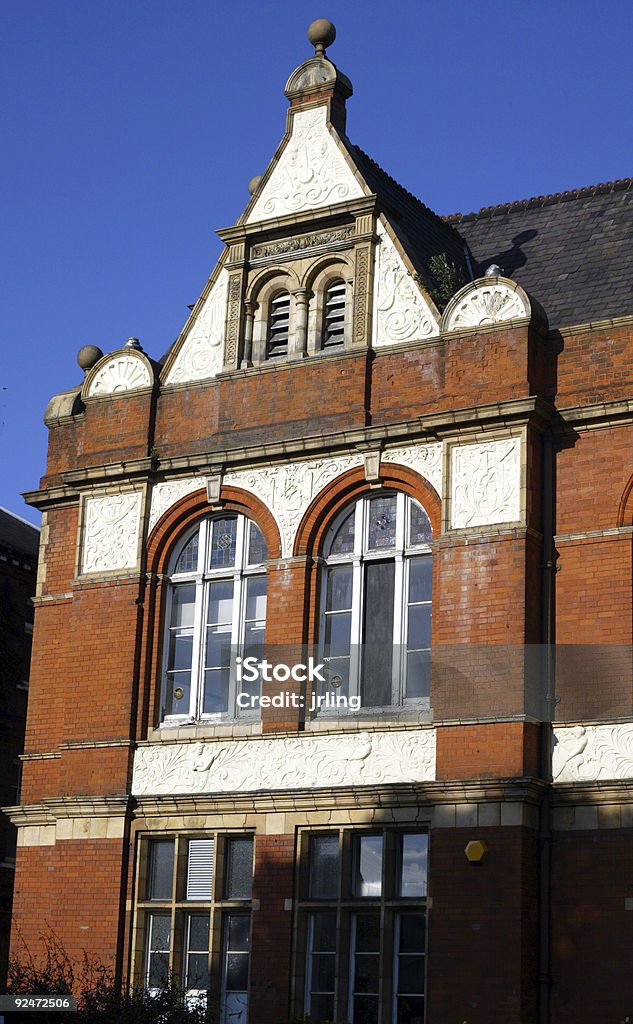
[[321, 33], [88, 356]]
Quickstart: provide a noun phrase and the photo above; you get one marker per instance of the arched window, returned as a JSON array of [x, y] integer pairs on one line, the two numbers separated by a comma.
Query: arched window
[[278, 325], [333, 334], [216, 611], [376, 602]]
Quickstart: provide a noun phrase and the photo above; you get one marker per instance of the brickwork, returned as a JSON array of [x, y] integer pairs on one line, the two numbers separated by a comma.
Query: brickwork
[[272, 928]]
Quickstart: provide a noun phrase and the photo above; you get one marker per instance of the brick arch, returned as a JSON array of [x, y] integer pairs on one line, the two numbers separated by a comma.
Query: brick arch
[[351, 485], [194, 507]]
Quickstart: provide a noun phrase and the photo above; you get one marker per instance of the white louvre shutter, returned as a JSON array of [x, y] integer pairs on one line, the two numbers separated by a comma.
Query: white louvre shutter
[[200, 869]]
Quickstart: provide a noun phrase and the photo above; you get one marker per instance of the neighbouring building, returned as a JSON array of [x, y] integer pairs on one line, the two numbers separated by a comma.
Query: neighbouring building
[[19, 542], [373, 412]]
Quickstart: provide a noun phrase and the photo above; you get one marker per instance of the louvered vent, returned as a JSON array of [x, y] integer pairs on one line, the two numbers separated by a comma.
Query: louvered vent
[[278, 325], [200, 869], [334, 320]]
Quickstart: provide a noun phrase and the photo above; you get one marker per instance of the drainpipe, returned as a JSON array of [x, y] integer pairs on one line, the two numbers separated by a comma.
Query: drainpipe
[[548, 663]]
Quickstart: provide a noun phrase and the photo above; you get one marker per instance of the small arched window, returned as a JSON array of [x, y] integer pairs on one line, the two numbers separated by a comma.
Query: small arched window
[[216, 611], [376, 602], [333, 334], [278, 325]]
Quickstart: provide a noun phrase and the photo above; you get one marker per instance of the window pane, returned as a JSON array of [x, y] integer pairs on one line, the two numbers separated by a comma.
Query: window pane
[[376, 681], [160, 928], [238, 934], [411, 974], [178, 693], [323, 965], [197, 975], [412, 932], [223, 542], [368, 932], [418, 674], [343, 541], [256, 599], [410, 1010], [366, 1009], [161, 870], [382, 522], [257, 548], [324, 867], [339, 588], [321, 1007], [368, 863], [158, 974], [220, 611], [337, 634], [237, 972], [420, 531], [182, 606], [197, 952], [420, 578], [239, 871], [159, 935], [324, 933], [188, 558], [419, 627], [180, 652], [216, 691], [198, 932], [413, 866]]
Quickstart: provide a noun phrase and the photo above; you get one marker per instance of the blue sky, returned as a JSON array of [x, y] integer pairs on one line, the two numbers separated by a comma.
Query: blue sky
[[132, 127]]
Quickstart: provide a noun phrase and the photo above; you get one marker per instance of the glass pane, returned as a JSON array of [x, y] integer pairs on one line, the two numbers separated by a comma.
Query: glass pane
[[414, 853], [239, 883], [339, 588], [321, 1007], [323, 972], [324, 867], [237, 972], [199, 932], [365, 1009], [239, 928], [197, 971], [412, 932], [188, 558], [160, 932], [235, 1007], [324, 933], [223, 541], [182, 605], [419, 626], [216, 691], [366, 972], [410, 1010], [161, 871], [180, 651], [220, 609], [418, 674], [411, 974], [420, 579], [343, 541], [158, 973], [382, 522], [257, 548], [368, 881], [368, 932], [420, 531], [337, 634], [256, 598], [178, 693], [376, 682], [218, 654]]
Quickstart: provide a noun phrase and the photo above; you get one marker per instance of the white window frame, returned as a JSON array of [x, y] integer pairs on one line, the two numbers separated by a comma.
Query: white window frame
[[202, 578], [401, 554]]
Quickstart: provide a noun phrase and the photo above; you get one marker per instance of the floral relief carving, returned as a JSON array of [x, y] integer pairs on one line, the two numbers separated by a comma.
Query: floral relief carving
[[588, 753], [201, 355], [487, 305], [307, 762], [167, 494], [311, 171], [111, 532], [290, 246], [425, 459], [400, 311], [486, 483], [119, 374]]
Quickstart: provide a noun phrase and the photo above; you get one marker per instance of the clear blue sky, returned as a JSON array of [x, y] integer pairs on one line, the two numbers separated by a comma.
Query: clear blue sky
[[131, 128]]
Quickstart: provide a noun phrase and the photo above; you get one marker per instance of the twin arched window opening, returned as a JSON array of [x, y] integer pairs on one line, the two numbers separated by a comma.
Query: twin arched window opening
[[330, 330], [374, 622]]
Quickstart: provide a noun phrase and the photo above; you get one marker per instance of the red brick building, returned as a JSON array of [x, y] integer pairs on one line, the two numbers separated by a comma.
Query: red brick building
[[372, 412]]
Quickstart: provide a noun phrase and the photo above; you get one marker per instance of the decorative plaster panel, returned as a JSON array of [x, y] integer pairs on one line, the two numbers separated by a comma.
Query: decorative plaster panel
[[586, 753], [425, 459], [167, 494], [486, 483], [121, 373], [306, 762], [311, 171], [401, 312], [485, 305], [201, 355], [111, 532]]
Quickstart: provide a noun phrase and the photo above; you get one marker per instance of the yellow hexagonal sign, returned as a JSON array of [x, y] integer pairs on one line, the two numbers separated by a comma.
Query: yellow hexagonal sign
[[476, 851]]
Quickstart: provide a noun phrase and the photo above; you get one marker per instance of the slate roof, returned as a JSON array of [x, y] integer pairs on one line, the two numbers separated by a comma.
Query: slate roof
[[572, 251], [16, 535]]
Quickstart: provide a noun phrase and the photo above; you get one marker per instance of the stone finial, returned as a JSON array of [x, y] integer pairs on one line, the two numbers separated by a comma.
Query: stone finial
[[321, 33], [494, 270], [133, 343], [253, 184], [88, 356]]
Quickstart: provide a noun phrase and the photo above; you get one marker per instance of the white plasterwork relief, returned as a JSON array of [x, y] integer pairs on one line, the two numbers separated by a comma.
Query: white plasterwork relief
[[311, 171], [400, 311], [425, 459], [586, 753], [307, 762], [487, 305], [486, 483], [202, 352], [121, 373], [167, 494], [111, 532]]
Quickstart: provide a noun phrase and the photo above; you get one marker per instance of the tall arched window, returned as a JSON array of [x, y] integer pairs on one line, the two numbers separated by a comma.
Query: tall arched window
[[376, 601], [216, 611], [278, 325], [333, 334]]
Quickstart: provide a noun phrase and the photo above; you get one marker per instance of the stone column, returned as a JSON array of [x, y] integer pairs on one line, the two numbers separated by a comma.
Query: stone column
[[249, 317], [298, 342]]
